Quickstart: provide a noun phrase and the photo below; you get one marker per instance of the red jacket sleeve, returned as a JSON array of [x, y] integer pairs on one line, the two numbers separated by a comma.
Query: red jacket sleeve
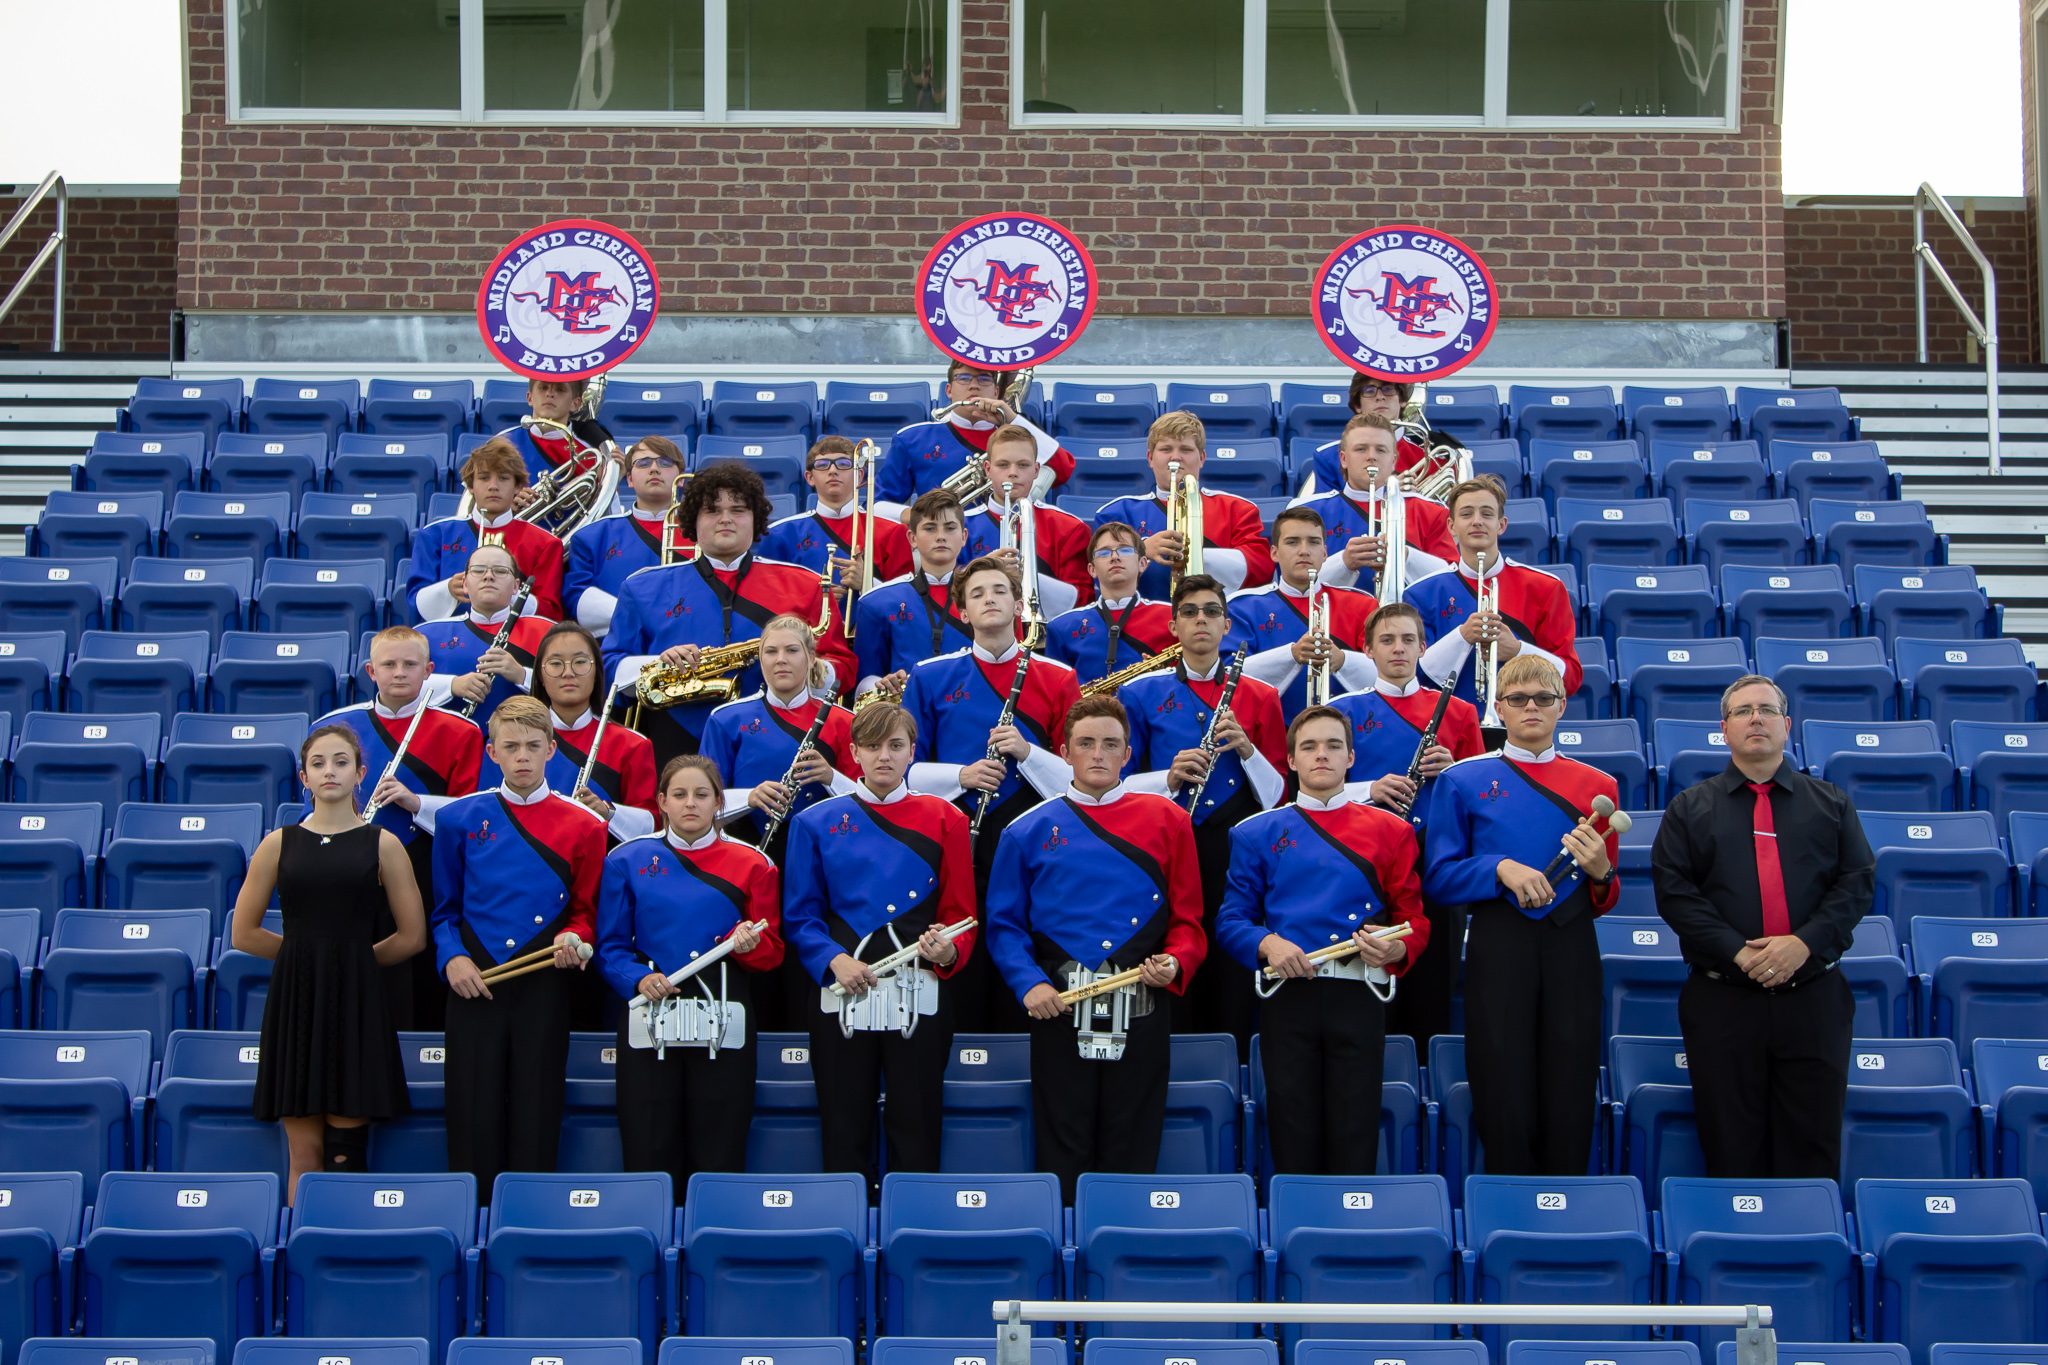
[[468, 765], [1558, 633], [636, 777], [1062, 463], [1066, 696], [1070, 556], [1184, 937], [547, 579], [764, 900], [1396, 866], [586, 862], [1247, 534], [956, 884], [1460, 731], [1407, 455]]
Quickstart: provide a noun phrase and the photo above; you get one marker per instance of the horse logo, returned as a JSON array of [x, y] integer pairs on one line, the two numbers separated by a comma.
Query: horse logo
[[567, 300], [1405, 303], [574, 301]]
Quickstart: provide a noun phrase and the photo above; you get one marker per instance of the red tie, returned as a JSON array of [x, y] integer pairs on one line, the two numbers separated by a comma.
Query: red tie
[[1770, 878]]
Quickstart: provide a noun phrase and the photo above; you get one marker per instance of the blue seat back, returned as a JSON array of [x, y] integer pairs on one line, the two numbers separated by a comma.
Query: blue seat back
[[965, 1350], [1135, 1236], [1159, 1350], [1526, 1229], [155, 1350], [1361, 1239], [202, 1112], [327, 1350], [950, 1244], [774, 1254]]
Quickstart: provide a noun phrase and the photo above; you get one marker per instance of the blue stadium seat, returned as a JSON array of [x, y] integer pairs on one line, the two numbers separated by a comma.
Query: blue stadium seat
[[207, 407], [525, 1350], [1755, 531], [1556, 1239], [1847, 470], [49, 594], [1895, 765], [31, 672], [202, 1110], [1950, 1353], [359, 1350], [217, 526], [1501, 459], [1633, 532], [969, 1350], [123, 462], [405, 407], [1748, 399], [1652, 1132], [354, 446], [784, 1136], [1600, 471], [75, 760], [241, 983], [590, 1106], [73, 1100], [1675, 603], [1831, 679], [1458, 1151], [2029, 846], [835, 1350], [1643, 975], [2011, 1082], [1856, 533], [244, 466], [1099, 412], [580, 1254], [21, 939], [502, 403], [1875, 969], [1935, 602], [1159, 1350], [376, 467], [874, 412], [1250, 467], [1595, 698], [987, 1101], [52, 855], [1781, 1242], [1469, 412], [1194, 1241], [774, 1254], [1316, 411], [1666, 678], [1981, 980], [40, 1220], [233, 760], [1685, 752], [756, 410], [323, 593], [1359, 1239], [180, 1253], [1527, 536], [1951, 1260], [1328, 1351], [117, 526], [125, 969], [303, 407], [166, 857], [383, 1255], [356, 526], [950, 1244], [1908, 1114], [779, 460], [1701, 415], [1614, 747], [1731, 470], [280, 674], [418, 1142], [1946, 858], [676, 410], [1800, 602], [178, 595], [1228, 412], [1404, 1126], [114, 1350], [2000, 768], [1600, 1353], [1951, 680], [1825, 423], [133, 674], [1204, 1106], [1540, 414]]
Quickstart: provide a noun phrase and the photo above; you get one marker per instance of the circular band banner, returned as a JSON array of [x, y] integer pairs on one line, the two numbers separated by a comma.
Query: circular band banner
[[568, 300], [1405, 303], [1006, 291]]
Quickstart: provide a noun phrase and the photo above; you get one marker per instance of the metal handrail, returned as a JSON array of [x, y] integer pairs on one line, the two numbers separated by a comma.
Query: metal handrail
[[1984, 329], [53, 183]]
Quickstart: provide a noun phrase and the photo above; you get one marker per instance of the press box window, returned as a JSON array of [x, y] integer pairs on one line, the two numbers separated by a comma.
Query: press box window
[[366, 54], [620, 55], [832, 56], [1618, 58], [1353, 57], [1181, 58]]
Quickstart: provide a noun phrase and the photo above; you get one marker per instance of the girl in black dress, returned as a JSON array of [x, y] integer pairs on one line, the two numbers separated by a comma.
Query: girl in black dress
[[329, 1062]]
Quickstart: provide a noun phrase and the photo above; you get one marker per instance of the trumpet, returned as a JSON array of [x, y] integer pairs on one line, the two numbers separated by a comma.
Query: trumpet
[[1107, 685], [1488, 600], [1319, 626], [866, 458], [1184, 514], [1020, 533]]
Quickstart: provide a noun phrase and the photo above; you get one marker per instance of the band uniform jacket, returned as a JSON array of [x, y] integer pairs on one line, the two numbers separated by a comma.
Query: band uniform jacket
[[441, 549], [1533, 605], [511, 875], [601, 556], [1235, 552], [1497, 806], [660, 907], [904, 622], [443, 761], [455, 647], [1274, 616], [622, 776]]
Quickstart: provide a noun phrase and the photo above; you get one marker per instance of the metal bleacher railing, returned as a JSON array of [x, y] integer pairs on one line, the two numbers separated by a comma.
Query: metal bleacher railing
[[53, 246], [1984, 329]]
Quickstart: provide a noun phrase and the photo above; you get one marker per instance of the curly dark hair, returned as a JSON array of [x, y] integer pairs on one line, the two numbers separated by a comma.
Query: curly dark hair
[[702, 491]]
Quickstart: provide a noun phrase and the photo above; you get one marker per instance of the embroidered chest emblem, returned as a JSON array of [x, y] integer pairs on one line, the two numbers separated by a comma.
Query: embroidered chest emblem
[[482, 834], [1171, 704], [843, 826], [681, 608], [752, 727], [1366, 725], [1492, 793], [901, 615], [1055, 840], [1283, 843], [958, 696], [655, 868]]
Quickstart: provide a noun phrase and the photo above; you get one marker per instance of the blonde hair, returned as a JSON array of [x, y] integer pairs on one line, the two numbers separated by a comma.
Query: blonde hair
[[814, 676], [1480, 483], [399, 635], [527, 711], [1529, 668], [1175, 426]]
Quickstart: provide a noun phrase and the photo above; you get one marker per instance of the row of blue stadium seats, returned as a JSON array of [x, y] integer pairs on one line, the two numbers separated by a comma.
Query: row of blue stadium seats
[[600, 1255]]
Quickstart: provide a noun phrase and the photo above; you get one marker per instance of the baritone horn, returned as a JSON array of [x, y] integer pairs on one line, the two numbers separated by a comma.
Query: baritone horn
[[1184, 515], [1020, 533], [970, 482]]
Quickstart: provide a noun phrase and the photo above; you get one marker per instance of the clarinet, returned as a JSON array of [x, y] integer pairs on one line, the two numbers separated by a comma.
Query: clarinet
[[1230, 677], [1436, 719], [810, 742], [1009, 714], [499, 641]]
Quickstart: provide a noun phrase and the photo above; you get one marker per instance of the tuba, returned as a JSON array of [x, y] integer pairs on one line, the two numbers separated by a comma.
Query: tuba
[[1184, 514], [570, 497]]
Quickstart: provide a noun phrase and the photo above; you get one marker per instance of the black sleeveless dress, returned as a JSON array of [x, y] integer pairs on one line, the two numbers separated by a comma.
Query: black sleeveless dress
[[328, 1043]]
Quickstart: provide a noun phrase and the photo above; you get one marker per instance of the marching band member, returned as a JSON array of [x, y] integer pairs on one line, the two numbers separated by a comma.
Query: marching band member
[[1535, 613], [1274, 617], [1324, 869], [834, 529], [872, 872], [753, 740], [495, 476], [663, 900], [1532, 961], [1368, 462], [1062, 538], [515, 871], [723, 596], [469, 664], [912, 618], [1368, 395], [1170, 714], [924, 454], [1118, 628], [604, 553], [1234, 549], [957, 700], [1097, 880], [552, 400], [441, 763]]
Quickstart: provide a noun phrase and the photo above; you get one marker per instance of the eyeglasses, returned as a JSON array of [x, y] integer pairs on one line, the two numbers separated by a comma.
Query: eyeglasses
[[1116, 552], [1765, 709], [478, 571], [973, 380], [576, 666], [1188, 611], [842, 462], [1381, 390], [1519, 701], [653, 462]]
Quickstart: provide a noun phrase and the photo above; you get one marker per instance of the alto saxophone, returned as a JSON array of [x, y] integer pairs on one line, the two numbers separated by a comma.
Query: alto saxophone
[[1107, 685]]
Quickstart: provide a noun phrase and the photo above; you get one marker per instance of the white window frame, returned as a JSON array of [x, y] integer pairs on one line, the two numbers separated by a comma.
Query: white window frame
[[1495, 115], [716, 111]]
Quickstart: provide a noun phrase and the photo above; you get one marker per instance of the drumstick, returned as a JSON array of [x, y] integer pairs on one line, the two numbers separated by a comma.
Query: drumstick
[[1098, 986], [502, 977], [1350, 946], [539, 957]]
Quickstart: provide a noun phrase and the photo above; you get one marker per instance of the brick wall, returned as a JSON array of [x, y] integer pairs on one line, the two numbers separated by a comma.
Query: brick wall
[[1849, 284], [294, 217], [121, 277]]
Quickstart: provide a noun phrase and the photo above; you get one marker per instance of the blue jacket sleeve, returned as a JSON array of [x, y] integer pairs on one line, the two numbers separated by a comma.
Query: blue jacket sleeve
[[422, 566], [1009, 917], [628, 636], [803, 903], [1241, 919], [894, 482], [615, 956], [1140, 760], [579, 567], [448, 860], [719, 744], [1452, 874], [927, 725]]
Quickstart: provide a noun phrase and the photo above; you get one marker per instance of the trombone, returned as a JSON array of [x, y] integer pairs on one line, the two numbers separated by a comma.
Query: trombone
[[867, 457], [1488, 600], [1319, 631], [1184, 514], [672, 522], [1020, 533]]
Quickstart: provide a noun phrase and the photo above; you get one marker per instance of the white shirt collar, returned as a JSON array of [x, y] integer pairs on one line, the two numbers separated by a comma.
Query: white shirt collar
[[496, 618], [1115, 604], [1387, 689], [1495, 564], [803, 695], [839, 513], [1213, 670], [896, 793], [1108, 798], [1521, 755], [724, 566], [402, 713], [583, 718], [957, 420], [1160, 495], [989, 658], [642, 514], [503, 518], [930, 577], [1337, 802], [1360, 495], [532, 798], [1288, 589], [676, 841]]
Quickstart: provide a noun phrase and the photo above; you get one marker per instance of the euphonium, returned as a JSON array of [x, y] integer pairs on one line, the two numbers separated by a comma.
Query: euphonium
[[1107, 685], [563, 505], [1020, 533], [1184, 514]]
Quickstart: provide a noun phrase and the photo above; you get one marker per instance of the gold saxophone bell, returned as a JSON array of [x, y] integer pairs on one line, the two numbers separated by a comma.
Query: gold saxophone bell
[[880, 693], [664, 685], [1107, 685]]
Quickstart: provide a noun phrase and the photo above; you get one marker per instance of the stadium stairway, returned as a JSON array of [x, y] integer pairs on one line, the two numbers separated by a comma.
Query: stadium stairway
[[50, 408]]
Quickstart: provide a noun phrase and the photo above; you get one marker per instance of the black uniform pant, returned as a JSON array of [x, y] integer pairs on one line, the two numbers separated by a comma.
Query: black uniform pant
[[850, 1072], [1532, 1038], [686, 1112], [506, 1066], [1323, 1043], [1770, 1074], [1099, 1116], [1422, 1008], [1219, 997]]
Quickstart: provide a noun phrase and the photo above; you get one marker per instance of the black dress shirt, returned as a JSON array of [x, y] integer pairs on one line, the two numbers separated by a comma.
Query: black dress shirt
[[1704, 869]]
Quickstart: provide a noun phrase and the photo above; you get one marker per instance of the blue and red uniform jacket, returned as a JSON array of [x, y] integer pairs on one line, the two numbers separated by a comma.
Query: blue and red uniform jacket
[[1344, 517], [753, 741], [1534, 606], [455, 646], [1329, 467], [600, 557], [1316, 875], [904, 622], [660, 905], [443, 760], [957, 699], [923, 455], [1169, 711], [623, 774], [441, 549], [1095, 882], [1273, 617], [1386, 727], [1081, 638], [1503, 805], [810, 538], [1233, 538], [510, 875], [857, 863], [1062, 540]]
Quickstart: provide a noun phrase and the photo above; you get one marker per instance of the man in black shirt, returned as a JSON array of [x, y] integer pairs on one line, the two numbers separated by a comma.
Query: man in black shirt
[[1763, 872]]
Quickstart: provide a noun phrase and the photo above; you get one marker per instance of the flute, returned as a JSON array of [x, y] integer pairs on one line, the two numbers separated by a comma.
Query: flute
[[604, 718], [397, 755]]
